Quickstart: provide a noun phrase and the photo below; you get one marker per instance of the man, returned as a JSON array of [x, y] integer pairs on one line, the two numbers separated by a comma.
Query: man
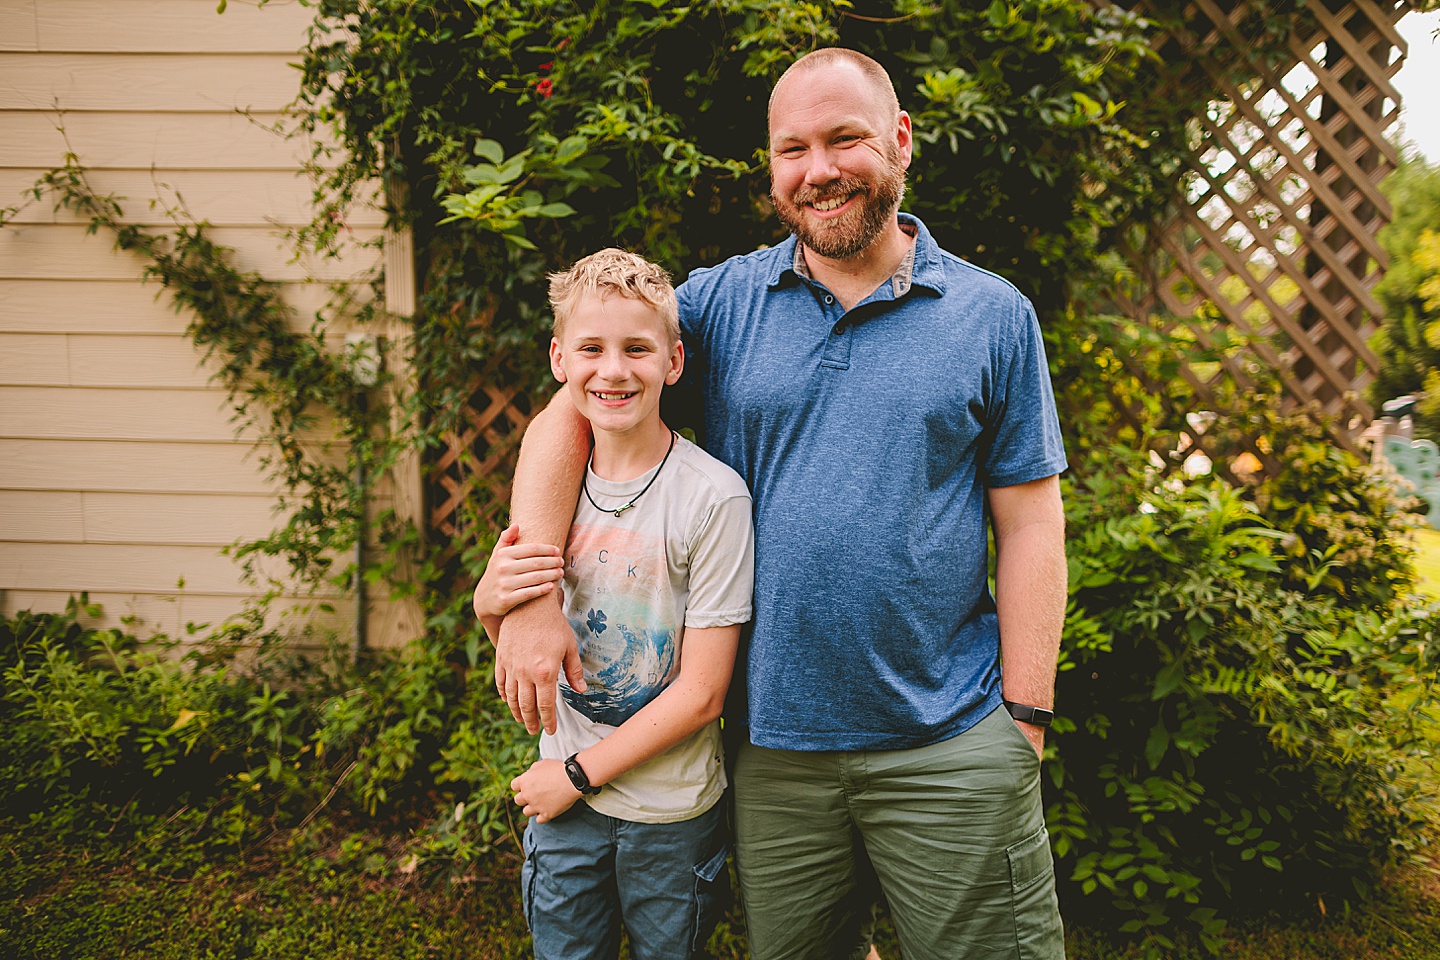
[[883, 399]]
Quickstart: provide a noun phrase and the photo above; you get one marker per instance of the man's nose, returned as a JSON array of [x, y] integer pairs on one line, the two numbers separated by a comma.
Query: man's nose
[[822, 167]]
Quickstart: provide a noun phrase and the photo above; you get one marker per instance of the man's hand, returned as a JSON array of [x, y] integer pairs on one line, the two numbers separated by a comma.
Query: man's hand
[[535, 644], [545, 790], [1036, 736]]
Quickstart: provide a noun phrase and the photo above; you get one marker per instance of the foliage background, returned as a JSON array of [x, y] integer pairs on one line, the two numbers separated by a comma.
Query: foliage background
[[1245, 680], [1408, 344]]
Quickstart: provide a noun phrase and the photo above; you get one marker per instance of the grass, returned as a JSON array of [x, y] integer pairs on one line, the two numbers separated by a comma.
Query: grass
[[300, 898], [101, 902]]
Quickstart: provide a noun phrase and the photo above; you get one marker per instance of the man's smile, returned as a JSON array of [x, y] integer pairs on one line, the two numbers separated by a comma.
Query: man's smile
[[831, 203]]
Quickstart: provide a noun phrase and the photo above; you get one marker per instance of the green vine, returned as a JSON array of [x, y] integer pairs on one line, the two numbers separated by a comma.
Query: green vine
[[280, 380]]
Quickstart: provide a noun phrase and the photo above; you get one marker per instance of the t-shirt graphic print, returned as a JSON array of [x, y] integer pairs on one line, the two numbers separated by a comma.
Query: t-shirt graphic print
[[624, 616], [682, 557]]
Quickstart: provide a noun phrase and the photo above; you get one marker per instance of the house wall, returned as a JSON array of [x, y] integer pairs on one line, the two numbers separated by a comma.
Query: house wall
[[121, 472]]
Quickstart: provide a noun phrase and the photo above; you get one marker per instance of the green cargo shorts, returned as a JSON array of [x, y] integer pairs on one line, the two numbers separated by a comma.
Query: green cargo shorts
[[952, 833]]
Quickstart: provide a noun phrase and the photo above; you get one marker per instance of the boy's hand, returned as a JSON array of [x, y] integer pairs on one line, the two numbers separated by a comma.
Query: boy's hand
[[517, 572], [545, 790]]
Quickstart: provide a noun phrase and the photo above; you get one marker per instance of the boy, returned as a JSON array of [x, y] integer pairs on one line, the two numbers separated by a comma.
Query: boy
[[657, 581]]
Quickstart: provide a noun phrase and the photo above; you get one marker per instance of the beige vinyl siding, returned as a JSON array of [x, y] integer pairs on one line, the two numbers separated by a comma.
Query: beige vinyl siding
[[121, 470]]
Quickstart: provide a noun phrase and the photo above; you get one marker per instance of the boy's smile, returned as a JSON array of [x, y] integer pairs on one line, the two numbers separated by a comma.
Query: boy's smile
[[615, 357]]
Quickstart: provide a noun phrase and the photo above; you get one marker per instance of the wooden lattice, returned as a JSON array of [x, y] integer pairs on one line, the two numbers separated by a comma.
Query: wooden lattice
[[469, 482], [1275, 235]]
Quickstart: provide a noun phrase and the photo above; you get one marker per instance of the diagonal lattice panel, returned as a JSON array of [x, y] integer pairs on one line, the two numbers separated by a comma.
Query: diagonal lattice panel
[[1275, 233]]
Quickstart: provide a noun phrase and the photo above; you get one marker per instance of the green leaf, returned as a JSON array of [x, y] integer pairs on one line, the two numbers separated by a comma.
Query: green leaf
[[490, 150], [184, 717], [1092, 107], [1156, 744], [570, 149], [1168, 679]]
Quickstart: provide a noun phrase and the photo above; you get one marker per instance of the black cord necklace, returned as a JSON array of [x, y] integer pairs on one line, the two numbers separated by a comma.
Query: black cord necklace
[[619, 510]]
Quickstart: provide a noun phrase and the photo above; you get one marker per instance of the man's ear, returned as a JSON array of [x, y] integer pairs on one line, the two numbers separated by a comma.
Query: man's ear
[[677, 363], [555, 357], [905, 140]]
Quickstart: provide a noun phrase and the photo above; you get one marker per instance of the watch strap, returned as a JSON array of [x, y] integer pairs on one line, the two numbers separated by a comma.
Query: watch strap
[[1037, 716], [578, 777]]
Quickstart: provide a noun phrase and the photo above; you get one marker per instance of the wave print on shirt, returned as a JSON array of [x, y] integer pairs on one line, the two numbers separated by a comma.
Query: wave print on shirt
[[624, 669]]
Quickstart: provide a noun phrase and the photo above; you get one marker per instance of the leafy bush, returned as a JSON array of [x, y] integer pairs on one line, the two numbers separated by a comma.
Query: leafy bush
[[1408, 342], [98, 728], [1237, 735]]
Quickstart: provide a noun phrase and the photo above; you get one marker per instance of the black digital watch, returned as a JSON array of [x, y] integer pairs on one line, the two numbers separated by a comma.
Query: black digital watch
[[579, 777]]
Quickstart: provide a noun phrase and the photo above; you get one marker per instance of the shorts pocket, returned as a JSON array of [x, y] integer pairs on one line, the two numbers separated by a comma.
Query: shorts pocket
[[708, 897], [527, 875], [1039, 934]]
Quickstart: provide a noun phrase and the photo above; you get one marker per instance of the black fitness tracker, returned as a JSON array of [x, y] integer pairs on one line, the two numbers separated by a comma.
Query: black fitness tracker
[[580, 779], [1037, 716]]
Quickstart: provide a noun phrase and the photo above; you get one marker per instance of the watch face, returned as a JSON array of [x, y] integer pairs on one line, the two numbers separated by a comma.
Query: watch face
[[1038, 716], [578, 778]]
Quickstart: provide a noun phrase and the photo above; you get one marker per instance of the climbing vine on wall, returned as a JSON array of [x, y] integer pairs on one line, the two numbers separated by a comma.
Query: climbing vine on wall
[[281, 378]]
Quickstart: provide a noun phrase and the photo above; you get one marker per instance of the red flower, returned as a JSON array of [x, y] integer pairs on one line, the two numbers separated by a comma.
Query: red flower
[[547, 64], [545, 87]]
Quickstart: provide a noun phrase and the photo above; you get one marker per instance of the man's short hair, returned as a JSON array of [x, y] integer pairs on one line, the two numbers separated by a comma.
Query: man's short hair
[[873, 71], [619, 272]]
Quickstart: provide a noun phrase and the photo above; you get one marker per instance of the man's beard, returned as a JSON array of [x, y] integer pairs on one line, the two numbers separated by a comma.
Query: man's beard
[[845, 236]]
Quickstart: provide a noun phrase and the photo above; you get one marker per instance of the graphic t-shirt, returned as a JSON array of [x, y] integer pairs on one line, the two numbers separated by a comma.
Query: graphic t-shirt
[[683, 556]]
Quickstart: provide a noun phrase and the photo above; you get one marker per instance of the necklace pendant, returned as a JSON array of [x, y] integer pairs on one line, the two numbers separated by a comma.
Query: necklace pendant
[[624, 508]]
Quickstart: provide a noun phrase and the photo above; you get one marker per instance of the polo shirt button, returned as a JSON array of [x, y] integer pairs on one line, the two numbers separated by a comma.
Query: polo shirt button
[[829, 299]]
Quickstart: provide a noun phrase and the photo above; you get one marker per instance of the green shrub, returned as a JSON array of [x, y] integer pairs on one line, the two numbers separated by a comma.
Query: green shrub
[[97, 721], [1237, 735], [98, 728]]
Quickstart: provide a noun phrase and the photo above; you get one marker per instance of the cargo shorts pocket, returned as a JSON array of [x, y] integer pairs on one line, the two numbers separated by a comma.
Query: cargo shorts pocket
[[709, 898], [527, 876], [1039, 934]]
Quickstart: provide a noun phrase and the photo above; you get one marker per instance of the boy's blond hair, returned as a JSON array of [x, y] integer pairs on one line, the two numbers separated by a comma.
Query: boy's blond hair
[[614, 271]]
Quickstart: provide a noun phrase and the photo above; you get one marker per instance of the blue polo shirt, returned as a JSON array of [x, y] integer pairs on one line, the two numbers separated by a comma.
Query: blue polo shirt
[[867, 439]]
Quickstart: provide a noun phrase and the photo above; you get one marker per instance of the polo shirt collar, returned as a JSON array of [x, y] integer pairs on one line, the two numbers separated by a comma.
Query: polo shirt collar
[[922, 267]]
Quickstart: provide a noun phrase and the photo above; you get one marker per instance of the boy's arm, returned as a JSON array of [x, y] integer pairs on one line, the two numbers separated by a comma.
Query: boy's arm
[[691, 702], [1030, 591], [535, 643]]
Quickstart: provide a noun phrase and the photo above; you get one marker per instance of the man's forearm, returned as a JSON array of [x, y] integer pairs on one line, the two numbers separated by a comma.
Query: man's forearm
[[535, 643], [552, 462], [1030, 595], [1030, 589]]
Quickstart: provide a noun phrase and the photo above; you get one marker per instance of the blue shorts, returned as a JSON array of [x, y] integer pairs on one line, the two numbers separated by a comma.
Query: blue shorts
[[585, 874]]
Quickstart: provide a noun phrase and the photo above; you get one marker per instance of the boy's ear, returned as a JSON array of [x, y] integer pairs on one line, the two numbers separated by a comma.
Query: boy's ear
[[555, 357], [677, 363]]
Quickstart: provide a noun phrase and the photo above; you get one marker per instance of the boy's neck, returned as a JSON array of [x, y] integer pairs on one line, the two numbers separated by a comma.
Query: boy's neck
[[624, 456]]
